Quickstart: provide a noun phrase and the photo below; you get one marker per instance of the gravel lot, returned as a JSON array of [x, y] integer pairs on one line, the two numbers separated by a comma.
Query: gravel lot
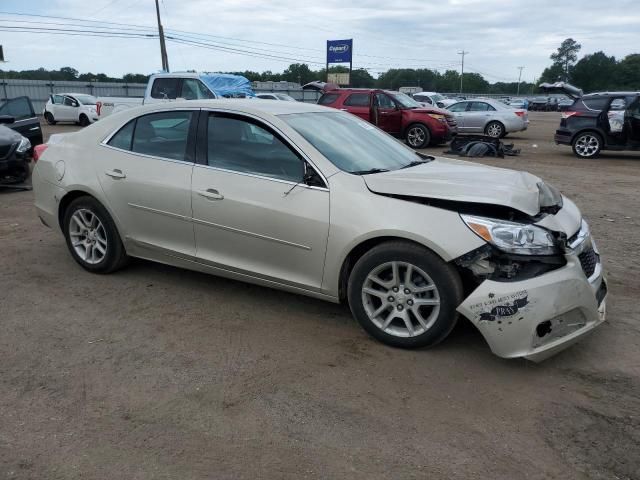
[[156, 372]]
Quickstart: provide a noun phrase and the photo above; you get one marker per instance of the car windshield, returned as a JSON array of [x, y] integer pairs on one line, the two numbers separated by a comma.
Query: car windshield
[[436, 97], [350, 143], [86, 99], [284, 96], [405, 100]]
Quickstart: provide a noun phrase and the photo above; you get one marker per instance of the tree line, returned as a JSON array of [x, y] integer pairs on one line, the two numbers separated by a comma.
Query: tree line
[[593, 72]]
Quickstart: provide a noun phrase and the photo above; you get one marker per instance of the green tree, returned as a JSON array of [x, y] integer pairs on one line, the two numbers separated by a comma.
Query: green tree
[[552, 74], [627, 75], [566, 55], [594, 72], [360, 78]]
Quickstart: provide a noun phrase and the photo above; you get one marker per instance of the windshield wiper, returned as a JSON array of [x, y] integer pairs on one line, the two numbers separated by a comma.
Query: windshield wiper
[[423, 159], [371, 170]]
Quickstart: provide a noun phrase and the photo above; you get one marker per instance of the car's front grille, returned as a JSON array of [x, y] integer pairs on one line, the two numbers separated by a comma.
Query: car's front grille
[[589, 259]]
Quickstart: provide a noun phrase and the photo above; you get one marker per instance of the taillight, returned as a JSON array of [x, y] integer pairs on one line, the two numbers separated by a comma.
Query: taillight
[[98, 107], [520, 113], [570, 114], [38, 150]]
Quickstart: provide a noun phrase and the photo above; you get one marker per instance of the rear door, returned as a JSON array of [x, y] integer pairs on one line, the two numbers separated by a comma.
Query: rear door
[[253, 213], [633, 121], [358, 103], [26, 122], [145, 172]]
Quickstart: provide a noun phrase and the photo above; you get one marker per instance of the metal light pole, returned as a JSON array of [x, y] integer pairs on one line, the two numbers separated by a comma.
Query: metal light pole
[[163, 47], [463, 53], [519, 77]]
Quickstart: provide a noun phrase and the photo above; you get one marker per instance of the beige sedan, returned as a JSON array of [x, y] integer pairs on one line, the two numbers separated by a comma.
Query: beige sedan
[[319, 202]]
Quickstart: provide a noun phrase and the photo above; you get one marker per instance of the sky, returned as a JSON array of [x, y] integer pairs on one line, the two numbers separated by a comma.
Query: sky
[[500, 35]]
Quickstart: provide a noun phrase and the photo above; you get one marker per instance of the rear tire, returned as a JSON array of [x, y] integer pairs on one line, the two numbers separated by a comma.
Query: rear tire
[[48, 116], [92, 236], [418, 136], [587, 145], [404, 295], [494, 129]]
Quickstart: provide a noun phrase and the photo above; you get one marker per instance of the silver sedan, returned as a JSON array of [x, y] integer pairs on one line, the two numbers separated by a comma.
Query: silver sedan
[[320, 202], [491, 117]]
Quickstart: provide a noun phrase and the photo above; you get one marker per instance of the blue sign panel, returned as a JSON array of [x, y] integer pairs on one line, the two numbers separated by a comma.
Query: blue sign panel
[[339, 51]]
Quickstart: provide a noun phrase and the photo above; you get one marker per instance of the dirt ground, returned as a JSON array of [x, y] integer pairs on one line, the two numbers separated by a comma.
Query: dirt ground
[[160, 373]]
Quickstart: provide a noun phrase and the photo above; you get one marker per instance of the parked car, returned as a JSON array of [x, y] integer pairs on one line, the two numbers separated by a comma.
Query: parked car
[[77, 108], [519, 103], [25, 120], [539, 104], [163, 87], [395, 113], [598, 121], [276, 96], [316, 201], [428, 99], [565, 104], [491, 117], [14, 153]]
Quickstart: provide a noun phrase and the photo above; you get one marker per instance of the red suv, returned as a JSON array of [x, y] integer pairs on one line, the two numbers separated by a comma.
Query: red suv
[[395, 113]]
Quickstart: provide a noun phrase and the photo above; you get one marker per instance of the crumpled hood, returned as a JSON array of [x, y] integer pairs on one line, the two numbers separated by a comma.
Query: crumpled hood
[[439, 111], [458, 180]]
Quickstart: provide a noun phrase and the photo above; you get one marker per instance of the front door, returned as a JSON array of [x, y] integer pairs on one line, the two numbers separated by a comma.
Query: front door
[[458, 110], [145, 172], [388, 115], [253, 214], [67, 111], [26, 122], [477, 116]]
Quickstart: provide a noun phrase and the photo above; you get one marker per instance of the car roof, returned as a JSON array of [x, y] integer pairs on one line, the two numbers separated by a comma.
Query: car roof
[[243, 105], [609, 94], [71, 93]]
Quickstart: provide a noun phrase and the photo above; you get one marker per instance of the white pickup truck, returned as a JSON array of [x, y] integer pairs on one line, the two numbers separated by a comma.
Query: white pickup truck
[[164, 87]]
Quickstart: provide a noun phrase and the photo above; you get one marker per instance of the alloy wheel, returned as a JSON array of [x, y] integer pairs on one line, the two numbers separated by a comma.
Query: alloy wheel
[[494, 130], [88, 236], [587, 145], [401, 299], [416, 136]]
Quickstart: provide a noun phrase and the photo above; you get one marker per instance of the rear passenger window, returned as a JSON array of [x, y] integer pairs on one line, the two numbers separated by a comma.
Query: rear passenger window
[[357, 100], [123, 138], [163, 134], [328, 98], [595, 103], [245, 146], [165, 88]]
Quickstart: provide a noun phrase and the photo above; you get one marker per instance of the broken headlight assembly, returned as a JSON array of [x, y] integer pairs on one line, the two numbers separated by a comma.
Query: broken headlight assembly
[[511, 237]]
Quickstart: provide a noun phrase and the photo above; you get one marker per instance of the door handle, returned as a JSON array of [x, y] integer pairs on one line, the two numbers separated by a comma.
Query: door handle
[[211, 194], [115, 173]]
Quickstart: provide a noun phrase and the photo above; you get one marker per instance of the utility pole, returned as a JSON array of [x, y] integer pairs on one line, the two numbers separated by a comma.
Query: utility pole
[[519, 77], [163, 47], [463, 53]]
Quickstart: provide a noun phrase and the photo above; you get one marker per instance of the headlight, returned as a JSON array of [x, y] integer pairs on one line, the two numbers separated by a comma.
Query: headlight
[[511, 237], [25, 145]]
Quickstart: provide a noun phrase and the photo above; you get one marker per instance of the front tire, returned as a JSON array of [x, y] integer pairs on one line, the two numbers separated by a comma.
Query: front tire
[[48, 116], [494, 130], [92, 237], [418, 136], [84, 120], [404, 295], [587, 145]]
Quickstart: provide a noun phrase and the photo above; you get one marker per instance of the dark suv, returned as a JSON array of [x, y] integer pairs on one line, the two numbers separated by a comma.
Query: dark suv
[[395, 113], [598, 121]]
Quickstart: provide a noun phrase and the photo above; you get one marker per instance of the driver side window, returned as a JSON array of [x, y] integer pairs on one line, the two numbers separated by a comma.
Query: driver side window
[[246, 146], [458, 107], [384, 101]]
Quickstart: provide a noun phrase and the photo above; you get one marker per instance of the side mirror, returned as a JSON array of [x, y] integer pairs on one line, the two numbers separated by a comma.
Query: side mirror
[[6, 119], [75, 104]]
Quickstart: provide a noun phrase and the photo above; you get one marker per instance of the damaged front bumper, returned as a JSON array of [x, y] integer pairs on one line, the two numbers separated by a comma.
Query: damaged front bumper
[[540, 316]]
